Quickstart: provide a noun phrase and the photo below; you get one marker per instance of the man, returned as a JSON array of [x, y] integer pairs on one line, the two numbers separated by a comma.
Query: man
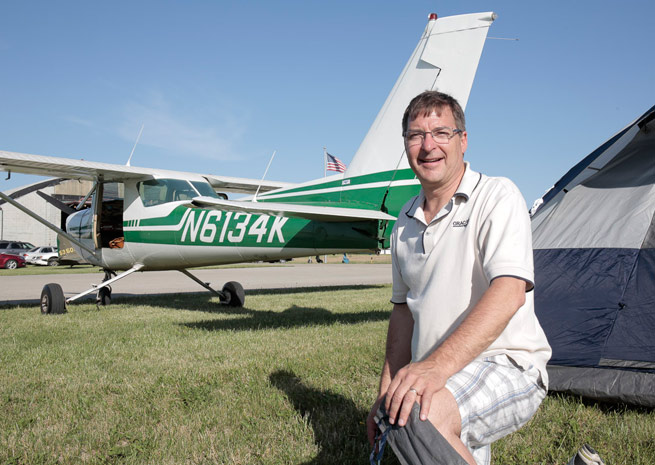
[[463, 343]]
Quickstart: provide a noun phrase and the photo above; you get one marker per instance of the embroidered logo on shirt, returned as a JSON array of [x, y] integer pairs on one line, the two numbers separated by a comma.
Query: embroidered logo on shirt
[[460, 224]]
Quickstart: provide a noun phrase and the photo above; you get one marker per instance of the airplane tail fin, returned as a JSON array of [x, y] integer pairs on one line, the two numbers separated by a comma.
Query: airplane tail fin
[[445, 59], [379, 177]]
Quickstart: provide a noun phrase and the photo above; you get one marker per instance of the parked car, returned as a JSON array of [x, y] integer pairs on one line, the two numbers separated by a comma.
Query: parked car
[[49, 259], [15, 247], [11, 262], [32, 255]]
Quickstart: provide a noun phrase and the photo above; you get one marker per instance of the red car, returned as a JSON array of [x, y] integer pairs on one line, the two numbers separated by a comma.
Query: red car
[[11, 261]]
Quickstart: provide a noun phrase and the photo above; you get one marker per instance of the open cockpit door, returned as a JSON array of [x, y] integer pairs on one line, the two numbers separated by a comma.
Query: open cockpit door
[[108, 215], [101, 225]]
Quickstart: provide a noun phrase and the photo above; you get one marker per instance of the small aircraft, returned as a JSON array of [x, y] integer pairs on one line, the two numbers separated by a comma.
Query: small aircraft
[[143, 219]]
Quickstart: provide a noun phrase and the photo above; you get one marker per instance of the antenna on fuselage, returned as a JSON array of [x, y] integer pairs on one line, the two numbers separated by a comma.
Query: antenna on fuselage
[[254, 199], [135, 142]]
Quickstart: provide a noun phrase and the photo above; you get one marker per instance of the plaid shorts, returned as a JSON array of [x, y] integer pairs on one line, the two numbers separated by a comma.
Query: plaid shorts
[[495, 397]]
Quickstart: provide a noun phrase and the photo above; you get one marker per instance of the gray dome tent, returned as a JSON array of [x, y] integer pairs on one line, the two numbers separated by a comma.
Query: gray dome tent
[[594, 251]]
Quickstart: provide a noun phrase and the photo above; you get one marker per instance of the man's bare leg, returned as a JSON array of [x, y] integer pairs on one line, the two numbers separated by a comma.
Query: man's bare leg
[[444, 416]]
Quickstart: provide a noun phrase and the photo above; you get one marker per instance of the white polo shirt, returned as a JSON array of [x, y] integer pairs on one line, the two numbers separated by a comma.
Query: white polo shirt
[[442, 269]]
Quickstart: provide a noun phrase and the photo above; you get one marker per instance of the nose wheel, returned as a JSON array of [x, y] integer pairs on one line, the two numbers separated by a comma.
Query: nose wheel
[[104, 296]]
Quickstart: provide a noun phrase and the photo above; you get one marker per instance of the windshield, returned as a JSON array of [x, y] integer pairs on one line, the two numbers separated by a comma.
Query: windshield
[[204, 188], [159, 191]]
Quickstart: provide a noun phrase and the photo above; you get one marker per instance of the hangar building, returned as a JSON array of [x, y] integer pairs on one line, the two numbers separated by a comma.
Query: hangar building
[[16, 225]]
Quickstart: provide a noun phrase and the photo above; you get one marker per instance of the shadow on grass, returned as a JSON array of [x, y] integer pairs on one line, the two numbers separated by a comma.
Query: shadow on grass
[[290, 318], [206, 302], [294, 316], [339, 426]]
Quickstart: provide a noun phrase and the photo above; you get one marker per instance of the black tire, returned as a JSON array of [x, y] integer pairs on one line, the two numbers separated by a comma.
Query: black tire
[[234, 294], [53, 262], [11, 264], [52, 299], [104, 296]]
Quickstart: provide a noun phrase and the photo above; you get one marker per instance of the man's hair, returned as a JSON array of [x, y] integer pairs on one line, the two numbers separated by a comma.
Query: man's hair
[[430, 100]]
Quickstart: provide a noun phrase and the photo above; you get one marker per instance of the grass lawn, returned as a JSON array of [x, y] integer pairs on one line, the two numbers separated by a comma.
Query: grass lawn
[[287, 380]]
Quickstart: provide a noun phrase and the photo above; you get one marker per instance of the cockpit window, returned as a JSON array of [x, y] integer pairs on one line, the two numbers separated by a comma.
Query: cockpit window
[[113, 191], [204, 188], [159, 191]]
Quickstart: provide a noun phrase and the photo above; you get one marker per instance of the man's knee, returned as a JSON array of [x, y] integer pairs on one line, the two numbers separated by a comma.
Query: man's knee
[[418, 441], [444, 414]]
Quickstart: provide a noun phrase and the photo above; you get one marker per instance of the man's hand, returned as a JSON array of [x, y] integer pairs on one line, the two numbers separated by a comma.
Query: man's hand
[[416, 382]]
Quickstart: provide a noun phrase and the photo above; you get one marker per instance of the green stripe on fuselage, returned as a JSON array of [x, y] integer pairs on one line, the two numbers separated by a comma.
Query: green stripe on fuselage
[[383, 176], [353, 193], [229, 229]]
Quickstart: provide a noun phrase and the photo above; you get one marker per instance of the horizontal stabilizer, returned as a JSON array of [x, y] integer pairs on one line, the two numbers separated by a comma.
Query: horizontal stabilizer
[[308, 212], [244, 185]]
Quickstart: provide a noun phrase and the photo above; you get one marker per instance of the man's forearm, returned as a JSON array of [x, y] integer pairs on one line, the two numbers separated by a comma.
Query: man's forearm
[[399, 344]]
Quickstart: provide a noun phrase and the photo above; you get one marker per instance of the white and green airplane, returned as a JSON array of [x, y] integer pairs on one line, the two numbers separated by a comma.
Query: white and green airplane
[[143, 219]]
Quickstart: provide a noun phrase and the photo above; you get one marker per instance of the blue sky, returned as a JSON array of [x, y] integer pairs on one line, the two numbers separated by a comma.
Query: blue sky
[[219, 86]]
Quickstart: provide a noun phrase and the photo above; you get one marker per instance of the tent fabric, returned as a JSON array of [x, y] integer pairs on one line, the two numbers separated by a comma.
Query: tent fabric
[[594, 251], [605, 384]]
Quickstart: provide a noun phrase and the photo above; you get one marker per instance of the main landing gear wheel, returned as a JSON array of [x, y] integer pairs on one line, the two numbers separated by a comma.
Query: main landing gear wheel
[[234, 296], [52, 299], [104, 296]]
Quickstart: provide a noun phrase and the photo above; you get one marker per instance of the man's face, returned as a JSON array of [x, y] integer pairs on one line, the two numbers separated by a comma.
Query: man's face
[[436, 165]]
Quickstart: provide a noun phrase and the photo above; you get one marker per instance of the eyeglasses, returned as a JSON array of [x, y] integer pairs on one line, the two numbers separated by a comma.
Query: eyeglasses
[[439, 135]]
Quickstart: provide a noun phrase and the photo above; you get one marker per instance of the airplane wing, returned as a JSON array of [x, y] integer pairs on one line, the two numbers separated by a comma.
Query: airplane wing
[[70, 168], [308, 212]]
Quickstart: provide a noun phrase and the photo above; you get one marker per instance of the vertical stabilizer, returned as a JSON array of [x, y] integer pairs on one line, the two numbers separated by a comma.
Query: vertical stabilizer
[[445, 59]]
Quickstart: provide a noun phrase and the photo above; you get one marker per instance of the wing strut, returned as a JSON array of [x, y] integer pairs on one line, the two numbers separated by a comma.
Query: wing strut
[[232, 293], [106, 283], [203, 284], [27, 211]]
